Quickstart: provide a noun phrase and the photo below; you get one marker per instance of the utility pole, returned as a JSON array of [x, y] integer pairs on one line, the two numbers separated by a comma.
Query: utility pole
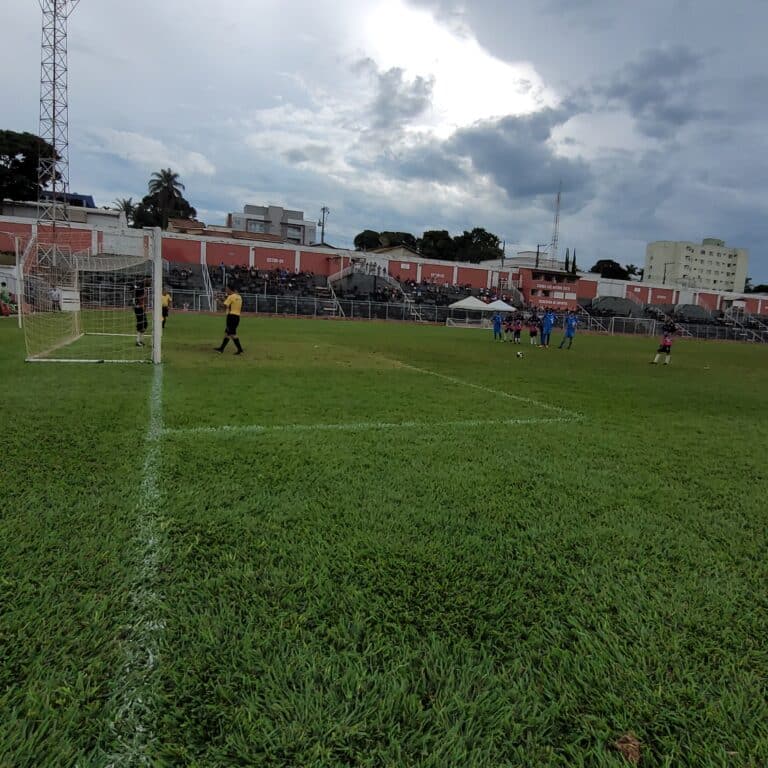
[[324, 212], [556, 227]]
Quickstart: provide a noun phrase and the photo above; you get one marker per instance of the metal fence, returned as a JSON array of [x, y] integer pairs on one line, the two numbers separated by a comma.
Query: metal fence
[[311, 306]]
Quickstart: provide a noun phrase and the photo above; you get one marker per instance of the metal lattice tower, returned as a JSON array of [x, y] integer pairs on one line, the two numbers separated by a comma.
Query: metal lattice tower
[[53, 170], [556, 227]]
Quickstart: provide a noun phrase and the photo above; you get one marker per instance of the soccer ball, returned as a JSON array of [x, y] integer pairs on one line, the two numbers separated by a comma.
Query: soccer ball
[[520, 354]]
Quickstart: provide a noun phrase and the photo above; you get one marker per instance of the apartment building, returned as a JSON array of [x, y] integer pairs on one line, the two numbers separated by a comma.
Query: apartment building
[[290, 225], [711, 264]]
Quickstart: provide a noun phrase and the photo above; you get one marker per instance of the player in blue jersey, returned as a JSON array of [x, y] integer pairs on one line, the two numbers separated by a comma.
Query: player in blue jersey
[[497, 327], [571, 321], [547, 324]]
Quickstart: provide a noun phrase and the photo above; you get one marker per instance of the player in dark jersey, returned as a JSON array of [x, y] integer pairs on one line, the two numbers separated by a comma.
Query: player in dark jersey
[[140, 310]]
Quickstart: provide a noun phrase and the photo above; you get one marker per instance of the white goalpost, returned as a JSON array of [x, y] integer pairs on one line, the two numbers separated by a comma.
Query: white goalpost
[[83, 307]]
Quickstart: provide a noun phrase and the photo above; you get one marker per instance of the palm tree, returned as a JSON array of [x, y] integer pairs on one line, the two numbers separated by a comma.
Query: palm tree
[[166, 186], [127, 206]]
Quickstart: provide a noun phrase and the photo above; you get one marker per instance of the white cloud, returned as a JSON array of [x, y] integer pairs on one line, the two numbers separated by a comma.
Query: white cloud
[[150, 153], [470, 84]]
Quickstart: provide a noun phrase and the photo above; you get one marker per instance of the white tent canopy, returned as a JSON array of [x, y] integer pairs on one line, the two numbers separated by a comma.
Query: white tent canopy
[[500, 306], [472, 303]]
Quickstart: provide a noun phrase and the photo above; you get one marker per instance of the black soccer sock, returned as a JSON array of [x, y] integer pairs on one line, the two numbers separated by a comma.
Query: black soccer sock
[[237, 344], [224, 343]]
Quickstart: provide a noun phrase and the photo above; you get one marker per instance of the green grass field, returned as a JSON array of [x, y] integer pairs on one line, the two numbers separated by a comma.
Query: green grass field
[[384, 545]]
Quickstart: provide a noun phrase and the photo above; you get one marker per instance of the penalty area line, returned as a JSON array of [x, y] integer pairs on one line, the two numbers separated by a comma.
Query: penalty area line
[[570, 415], [134, 697], [363, 426]]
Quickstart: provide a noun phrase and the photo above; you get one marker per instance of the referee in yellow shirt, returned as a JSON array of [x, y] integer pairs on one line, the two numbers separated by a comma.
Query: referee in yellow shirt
[[167, 300], [234, 305]]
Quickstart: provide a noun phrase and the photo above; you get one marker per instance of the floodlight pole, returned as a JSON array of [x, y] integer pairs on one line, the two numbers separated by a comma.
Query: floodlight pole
[[53, 166], [324, 211]]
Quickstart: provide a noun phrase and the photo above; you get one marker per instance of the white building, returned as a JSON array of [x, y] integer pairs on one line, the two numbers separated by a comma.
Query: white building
[[274, 220], [712, 264]]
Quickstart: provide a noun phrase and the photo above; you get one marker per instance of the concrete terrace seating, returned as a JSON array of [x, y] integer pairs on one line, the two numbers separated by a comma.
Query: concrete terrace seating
[[184, 277], [613, 306]]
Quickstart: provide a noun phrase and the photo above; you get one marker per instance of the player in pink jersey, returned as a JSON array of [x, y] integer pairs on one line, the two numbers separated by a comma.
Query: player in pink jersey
[[665, 348]]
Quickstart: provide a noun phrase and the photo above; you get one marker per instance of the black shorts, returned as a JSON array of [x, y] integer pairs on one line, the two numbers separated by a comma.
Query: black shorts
[[141, 319], [665, 349], [232, 322], [165, 311]]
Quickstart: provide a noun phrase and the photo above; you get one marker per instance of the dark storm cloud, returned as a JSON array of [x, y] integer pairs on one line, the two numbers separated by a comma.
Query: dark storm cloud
[[427, 161], [517, 153], [396, 100], [307, 153], [660, 89]]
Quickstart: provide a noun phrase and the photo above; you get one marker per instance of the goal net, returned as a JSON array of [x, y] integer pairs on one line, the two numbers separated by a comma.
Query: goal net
[[84, 307], [453, 322]]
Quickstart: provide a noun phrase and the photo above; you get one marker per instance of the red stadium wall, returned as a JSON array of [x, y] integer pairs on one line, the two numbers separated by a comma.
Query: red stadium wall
[[319, 262], [639, 293], [403, 270], [752, 305], [181, 251], [661, 296], [75, 239], [708, 301], [231, 254], [587, 289], [9, 232], [273, 258], [477, 278], [437, 274]]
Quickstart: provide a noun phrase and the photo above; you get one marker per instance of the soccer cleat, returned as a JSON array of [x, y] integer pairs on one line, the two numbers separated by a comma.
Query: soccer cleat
[[218, 349], [239, 352], [139, 343]]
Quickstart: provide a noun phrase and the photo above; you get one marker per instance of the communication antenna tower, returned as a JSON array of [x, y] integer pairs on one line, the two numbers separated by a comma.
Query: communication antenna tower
[[53, 166], [556, 227]]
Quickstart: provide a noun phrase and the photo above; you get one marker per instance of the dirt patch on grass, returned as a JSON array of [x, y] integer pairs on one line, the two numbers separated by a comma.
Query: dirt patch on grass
[[628, 745]]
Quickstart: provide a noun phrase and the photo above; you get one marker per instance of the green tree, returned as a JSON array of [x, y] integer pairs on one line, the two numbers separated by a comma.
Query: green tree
[[393, 239], [19, 159], [437, 244], [567, 260], [610, 269], [573, 263], [127, 206], [477, 245], [164, 200], [166, 187], [367, 240]]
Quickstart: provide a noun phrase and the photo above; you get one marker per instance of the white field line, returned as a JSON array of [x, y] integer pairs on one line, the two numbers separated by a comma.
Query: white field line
[[135, 691], [361, 426], [569, 415]]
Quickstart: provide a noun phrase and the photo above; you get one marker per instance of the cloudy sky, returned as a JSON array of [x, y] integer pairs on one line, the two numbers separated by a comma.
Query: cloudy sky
[[425, 114]]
